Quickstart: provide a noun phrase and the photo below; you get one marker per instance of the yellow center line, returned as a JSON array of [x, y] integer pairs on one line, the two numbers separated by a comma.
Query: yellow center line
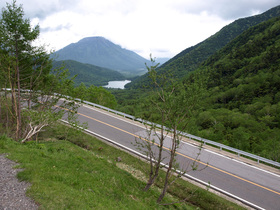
[[213, 167], [108, 125]]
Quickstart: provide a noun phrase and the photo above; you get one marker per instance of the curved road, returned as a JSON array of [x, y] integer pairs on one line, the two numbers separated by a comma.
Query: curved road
[[252, 184]]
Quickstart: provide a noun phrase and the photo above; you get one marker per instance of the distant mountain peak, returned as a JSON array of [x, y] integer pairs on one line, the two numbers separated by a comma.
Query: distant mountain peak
[[93, 38], [101, 52]]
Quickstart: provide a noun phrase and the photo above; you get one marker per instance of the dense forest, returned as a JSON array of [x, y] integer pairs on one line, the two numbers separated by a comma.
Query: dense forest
[[242, 108], [239, 97], [89, 74]]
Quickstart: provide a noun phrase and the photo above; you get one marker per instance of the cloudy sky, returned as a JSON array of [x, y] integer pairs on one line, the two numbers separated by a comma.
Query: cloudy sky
[[161, 27]]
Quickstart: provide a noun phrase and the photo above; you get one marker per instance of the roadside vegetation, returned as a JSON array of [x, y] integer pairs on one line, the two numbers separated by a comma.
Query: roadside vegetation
[[69, 169]]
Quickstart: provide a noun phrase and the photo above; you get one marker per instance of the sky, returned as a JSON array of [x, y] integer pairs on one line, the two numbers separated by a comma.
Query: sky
[[162, 28]]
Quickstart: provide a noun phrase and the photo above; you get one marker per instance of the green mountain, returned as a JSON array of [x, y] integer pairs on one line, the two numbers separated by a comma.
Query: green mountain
[[101, 52], [239, 99], [89, 74], [189, 59], [241, 105]]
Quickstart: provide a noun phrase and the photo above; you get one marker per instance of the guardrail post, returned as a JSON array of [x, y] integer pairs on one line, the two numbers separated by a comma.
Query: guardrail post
[[221, 148]]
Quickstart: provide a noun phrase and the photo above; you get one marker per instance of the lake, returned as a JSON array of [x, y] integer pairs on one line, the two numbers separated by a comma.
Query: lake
[[117, 84]]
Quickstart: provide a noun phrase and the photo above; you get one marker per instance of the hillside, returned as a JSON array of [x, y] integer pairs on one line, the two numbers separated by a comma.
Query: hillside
[[89, 74], [239, 99], [189, 59], [101, 52], [241, 105], [71, 170]]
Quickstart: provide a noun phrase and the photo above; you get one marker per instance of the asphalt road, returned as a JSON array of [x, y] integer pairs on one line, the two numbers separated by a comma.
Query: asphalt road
[[252, 184]]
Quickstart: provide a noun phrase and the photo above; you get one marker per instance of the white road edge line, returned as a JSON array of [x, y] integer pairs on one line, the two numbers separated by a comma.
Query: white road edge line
[[233, 159], [207, 150], [186, 175]]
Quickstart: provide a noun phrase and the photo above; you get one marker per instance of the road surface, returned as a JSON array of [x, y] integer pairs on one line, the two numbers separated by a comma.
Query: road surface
[[251, 184]]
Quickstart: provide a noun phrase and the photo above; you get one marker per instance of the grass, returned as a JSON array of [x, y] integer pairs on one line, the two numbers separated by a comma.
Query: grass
[[72, 170]]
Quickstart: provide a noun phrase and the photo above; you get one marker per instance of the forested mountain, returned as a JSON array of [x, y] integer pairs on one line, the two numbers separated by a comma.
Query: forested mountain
[[189, 59], [239, 100], [241, 107], [101, 52], [89, 74]]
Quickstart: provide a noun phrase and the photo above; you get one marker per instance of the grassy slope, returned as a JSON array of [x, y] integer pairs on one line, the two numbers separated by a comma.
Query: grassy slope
[[67, 176]]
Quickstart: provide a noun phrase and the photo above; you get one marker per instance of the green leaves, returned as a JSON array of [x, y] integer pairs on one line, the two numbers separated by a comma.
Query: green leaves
[[15, 30], [98, 95], [25, 71]]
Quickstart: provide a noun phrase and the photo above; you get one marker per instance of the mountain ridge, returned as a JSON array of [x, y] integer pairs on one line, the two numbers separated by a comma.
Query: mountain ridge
[[89, 74]]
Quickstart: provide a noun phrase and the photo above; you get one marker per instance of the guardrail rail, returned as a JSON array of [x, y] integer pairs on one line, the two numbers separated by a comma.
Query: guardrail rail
[[190, 136]]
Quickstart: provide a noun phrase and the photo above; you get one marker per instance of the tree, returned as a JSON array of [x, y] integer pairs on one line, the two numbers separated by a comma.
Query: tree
[[16, 42], [155, 158], [174, 103], [101, 96], [27, 78]]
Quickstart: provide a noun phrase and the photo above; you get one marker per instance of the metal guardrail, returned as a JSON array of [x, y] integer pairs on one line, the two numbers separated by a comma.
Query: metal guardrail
[[193, 137]]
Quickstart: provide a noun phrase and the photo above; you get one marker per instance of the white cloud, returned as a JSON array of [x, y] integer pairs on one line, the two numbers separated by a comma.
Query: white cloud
[[226, 9], [161, 27]]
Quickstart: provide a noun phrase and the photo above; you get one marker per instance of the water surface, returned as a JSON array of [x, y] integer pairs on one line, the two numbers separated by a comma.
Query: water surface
[[117, 84]]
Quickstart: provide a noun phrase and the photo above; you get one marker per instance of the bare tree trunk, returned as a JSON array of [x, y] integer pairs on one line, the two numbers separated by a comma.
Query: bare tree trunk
[[18, 131], [7, 112], [154, 174], [164, 190], [170, 166], [14, 105], [150, 182], [1, 104]]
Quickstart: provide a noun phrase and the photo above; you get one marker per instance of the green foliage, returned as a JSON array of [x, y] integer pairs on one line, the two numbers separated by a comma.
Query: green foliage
[[242, 108], [98, 95], [89, 74], [17, 51], [22, 65], [239, 101], [28, 86]]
